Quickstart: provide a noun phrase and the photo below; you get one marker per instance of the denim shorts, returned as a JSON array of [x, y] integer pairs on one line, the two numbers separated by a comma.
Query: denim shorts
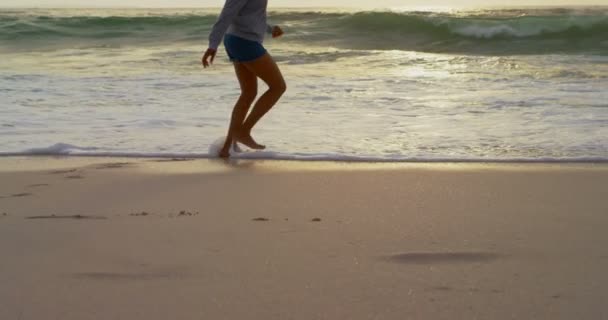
[[242, 50]]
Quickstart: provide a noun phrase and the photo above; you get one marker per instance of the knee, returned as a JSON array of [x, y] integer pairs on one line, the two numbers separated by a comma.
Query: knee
[[248, 96], [280, 87]]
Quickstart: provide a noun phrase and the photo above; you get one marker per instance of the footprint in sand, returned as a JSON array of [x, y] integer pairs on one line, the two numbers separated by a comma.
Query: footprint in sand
[[442, 288], [119, 276], [38, 185], [172, 160], [62, 171], [139, 214], [75, 216], [19, 195], [113, 165], [184, 213]]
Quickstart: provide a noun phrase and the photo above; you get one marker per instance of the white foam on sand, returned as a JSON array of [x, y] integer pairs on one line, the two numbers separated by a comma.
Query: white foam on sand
[[65, 149], [58, 149]]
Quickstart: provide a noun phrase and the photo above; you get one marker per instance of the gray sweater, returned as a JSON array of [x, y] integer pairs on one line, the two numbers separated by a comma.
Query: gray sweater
[[242, 18]]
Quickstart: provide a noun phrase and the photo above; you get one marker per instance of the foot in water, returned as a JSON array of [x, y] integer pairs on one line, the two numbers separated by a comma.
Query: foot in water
[[224, 154], [235, 147], [247, 140]]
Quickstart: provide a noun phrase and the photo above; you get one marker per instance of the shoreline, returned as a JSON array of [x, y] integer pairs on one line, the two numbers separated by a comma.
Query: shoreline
[[46, 162], [272, 157]]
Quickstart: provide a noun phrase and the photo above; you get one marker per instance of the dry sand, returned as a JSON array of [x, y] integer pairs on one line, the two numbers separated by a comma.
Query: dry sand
[[104, 238]]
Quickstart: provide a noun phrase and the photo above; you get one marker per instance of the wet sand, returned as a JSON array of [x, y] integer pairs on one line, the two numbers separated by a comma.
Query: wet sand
[[202, 239]]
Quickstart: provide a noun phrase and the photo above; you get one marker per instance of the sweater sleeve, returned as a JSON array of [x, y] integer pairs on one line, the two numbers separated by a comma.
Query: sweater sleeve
[[231, 9]]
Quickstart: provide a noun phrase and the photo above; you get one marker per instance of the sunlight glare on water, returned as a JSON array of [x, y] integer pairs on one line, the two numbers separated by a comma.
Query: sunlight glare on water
[[367, 95]]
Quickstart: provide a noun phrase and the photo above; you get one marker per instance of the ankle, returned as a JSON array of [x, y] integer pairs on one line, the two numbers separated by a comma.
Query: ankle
[[244, 132]]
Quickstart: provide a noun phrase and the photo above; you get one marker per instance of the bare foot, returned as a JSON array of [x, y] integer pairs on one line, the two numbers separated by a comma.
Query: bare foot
[[247, 140], [225, 153], [235, 147]]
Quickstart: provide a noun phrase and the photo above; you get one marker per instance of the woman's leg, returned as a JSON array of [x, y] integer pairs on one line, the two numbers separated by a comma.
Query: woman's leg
[[249, 89], [266, 69]]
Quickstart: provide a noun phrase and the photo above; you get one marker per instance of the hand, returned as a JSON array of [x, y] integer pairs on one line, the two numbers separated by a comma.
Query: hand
[[209, 54], [277, 31]]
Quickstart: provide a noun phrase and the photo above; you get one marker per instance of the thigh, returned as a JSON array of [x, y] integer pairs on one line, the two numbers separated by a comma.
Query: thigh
[[266, 69], [247, 79]]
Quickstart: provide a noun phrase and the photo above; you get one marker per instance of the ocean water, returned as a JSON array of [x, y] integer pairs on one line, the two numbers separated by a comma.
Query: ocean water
[[484, 85]]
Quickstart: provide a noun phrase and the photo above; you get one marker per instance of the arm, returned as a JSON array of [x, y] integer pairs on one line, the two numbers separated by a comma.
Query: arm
[[275, 31], [230, 10]]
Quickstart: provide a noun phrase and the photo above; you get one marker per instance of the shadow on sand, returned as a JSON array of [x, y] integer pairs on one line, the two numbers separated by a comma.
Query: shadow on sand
[[442, 257]]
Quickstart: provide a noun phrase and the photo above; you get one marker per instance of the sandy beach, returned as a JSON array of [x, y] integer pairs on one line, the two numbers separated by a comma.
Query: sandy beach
[[110, 238]]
